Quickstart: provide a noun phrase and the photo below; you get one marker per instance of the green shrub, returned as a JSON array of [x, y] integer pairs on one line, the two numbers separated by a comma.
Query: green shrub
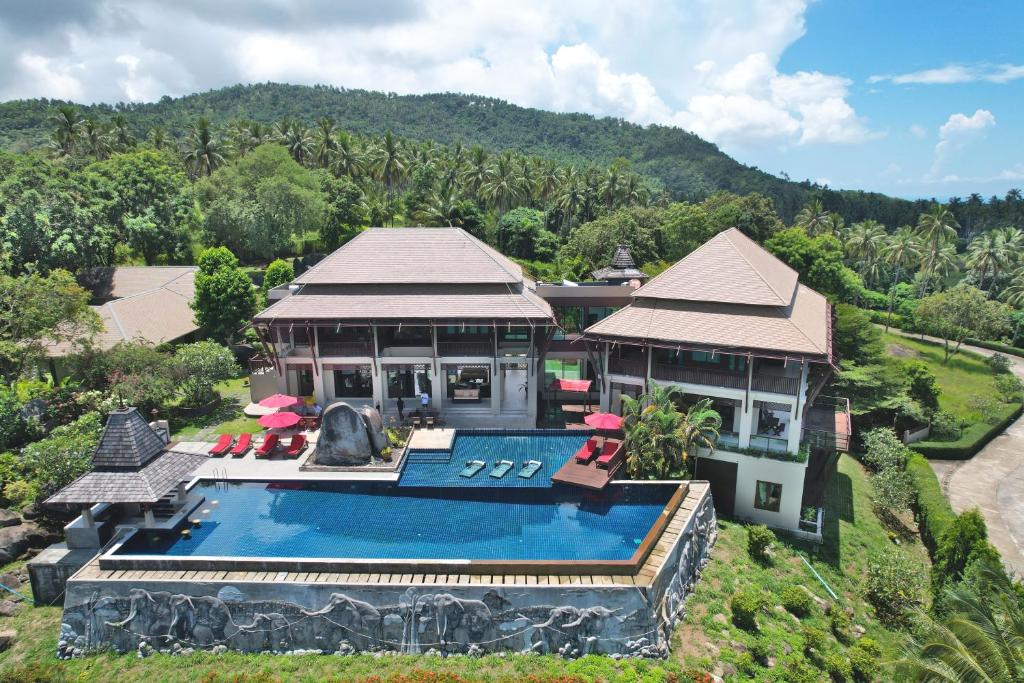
[[893, 489], [759, 541], [837, 666], [761, 650], [839, 622], [922, 387], [882, 449], [1009, 387], [972, 439], [19, 492], [797, 601], [799, 671], [996, 346], [745, 606], [946, 426], [998, 363], [893, 587], [964, 541], [864, 658], [934, 514], [814, 639]]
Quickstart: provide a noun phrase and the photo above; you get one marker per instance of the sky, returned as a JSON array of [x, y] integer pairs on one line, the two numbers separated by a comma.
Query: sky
[[913, 99]]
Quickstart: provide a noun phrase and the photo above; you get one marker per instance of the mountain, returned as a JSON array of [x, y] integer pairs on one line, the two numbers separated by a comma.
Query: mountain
[[686, 166]]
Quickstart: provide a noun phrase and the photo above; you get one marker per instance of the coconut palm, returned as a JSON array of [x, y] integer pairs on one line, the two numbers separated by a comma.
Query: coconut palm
[[1014, 292], [864, 242], [95, 139], [699, 428], [475, 175], [203, 152], [835, 224], [611, 187], [633, 191], [570, 199], [987, 255], [240, 139], [325, 143], [981, 639], [813, 218], [550, 180], [938, 265], [348, 160], [390, 166], [67, 128], [659, 438], [157, 137], [902, 250], [121, 135], [503, 186], [298, 141], [936, 227]]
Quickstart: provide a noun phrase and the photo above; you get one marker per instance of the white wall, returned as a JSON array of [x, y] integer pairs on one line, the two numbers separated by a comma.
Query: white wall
[[749, 470]]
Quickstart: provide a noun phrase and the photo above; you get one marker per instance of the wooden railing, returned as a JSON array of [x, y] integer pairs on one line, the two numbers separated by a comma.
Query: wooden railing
[[734, 380], [465, 348], [634, 367], [352, 348], [777, 384]]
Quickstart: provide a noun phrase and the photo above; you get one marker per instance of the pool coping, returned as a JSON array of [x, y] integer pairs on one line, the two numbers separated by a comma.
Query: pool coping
[[110, 561]]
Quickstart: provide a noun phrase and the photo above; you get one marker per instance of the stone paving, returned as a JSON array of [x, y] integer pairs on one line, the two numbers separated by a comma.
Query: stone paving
[[992, 481]]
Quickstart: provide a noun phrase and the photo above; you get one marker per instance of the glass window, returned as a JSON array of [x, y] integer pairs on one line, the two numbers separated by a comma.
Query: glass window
[[704, 357], [570, 318], [468, 382], [407, 381], [737, 363], [515, 333], [595, 313], [353, 381], [557, 368], [767, 496], [301, 336]]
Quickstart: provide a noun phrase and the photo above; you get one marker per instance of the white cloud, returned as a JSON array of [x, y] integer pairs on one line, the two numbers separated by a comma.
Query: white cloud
[[955, 73], [917, 130], [709, 66], [958, 131]]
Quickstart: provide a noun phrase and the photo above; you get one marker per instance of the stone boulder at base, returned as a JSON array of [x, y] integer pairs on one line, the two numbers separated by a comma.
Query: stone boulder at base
[[343, 438], [374, 428]]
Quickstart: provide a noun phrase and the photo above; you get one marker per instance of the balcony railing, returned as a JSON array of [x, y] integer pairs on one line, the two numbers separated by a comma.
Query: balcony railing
[[465, 348], [634, 367], [353, 348], [775, 384], [828, 424]]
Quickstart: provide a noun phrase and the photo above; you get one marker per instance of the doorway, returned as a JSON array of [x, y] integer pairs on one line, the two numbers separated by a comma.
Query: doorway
[[722, 477], [515, 388], [300, 380]]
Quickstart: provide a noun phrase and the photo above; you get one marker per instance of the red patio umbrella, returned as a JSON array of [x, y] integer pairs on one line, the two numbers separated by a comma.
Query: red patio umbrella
[[280, 401], [603, 420], [279, 420]]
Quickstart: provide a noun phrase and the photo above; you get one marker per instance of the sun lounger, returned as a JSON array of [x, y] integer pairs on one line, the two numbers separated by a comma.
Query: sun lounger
[[222, 446], [610, 455], [530, 468], [430, 421], [243, 445], [268, 446], [415, 422], [501, 468], [296, 446], [471, 468], [587, 452]]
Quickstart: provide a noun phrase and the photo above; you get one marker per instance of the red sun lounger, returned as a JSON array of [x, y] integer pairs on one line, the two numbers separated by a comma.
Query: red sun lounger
[[296, 446], [222, 446], [587, 451], [243, 445], [610, 455], [268, 446]]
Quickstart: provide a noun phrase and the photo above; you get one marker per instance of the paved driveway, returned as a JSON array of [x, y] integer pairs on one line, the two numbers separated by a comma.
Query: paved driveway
[[992, 481]]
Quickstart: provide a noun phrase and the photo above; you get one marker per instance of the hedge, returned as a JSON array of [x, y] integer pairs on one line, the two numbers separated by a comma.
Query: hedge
[[996, 346], [934, 514], [973, 438]]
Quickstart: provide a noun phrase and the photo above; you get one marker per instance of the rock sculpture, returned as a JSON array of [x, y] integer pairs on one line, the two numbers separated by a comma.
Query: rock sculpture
[[374, 428], [345, 438]]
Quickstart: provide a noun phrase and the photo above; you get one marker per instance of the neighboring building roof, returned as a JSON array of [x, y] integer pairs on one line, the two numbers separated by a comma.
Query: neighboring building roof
[[127, 442], [622, 267], [156, 315], [147, 485], [728, 268], [125, 281], [425, 302], [800, 329], [413, 256]]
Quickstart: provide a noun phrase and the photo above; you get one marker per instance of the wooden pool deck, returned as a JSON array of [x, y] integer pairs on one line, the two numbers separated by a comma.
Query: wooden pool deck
[[588, 476], [645, 576]]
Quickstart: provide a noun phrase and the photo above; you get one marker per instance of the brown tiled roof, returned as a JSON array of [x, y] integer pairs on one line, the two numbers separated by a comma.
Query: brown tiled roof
[[388, 302], [798, 329], [147, 485], [728, 268], [125, 281], [413, 255], [127, 442]]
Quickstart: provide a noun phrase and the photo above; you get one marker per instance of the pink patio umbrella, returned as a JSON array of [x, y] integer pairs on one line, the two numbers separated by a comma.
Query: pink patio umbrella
[[605, 421], [280, 420], [280, 401]]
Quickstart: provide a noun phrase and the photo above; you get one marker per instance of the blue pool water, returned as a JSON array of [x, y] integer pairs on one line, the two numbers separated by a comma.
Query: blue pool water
[[441, 468], [376, 520]]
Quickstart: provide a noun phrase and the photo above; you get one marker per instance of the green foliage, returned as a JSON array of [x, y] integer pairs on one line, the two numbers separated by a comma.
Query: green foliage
[[199, 366], [277, 273], [759, 541], [814, 639], [869, 387], [946, 426], [345, 212], [521, 234], [923, 387], [1010, 388], [13, 427], [883, 449], [963, 542], [660, 439], [959, 313], [893, 489], [838, 666], [133, 373], [38, 307], [595, 242], [972, 438], [934, 514], [999, 363], [746, 604], [819, 260], [797, 601], [225, 298], [54, 462], [894, 587], [839, 621], [854, 338], [865, 657]]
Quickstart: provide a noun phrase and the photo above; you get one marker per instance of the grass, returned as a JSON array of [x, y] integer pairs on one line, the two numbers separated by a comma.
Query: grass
[[853, 534], [227, 417]]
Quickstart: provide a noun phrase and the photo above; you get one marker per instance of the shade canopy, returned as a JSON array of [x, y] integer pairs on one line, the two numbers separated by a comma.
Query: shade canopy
[[571, 385], [280, 401], [603, 420], [280, 420]]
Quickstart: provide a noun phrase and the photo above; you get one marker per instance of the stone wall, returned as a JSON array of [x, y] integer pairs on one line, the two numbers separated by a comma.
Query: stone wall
[[571, 620]]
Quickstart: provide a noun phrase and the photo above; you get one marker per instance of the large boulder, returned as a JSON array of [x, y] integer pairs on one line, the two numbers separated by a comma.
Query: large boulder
[[343, 438], [374, 428], [15, 540]]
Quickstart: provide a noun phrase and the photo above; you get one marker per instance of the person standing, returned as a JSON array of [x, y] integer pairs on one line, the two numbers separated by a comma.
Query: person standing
[[424, 402], [401, 409]]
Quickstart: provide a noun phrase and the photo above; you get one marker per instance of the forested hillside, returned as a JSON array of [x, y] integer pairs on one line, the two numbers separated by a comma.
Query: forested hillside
[[688, 167]]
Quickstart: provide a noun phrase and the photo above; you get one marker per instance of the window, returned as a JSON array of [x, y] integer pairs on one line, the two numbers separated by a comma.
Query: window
[[407, 381], [556, 368], [570, 318], [515, 333], [411, 336], [767, 496], [704, 357], [468, 382], [737, 363], [353, 381], [595, 313]]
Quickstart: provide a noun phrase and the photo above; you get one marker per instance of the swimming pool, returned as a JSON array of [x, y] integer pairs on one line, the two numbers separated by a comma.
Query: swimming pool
[[440, 468], [382, 521]]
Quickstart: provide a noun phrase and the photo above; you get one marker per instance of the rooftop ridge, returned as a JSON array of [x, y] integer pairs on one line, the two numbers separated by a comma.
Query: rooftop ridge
[[316, 266], [489, 252], [730, 233]]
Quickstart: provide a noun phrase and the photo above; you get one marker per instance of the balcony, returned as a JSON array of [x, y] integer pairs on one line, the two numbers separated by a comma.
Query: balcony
[[776, 384], [465, 348], [634, 367], [828, 425], [351, 348]]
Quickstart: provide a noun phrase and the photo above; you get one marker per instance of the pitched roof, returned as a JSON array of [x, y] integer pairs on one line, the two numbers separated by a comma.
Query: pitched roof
[[412, 256], [389, 301], [127, 442], [622, 267], [147, 485], [798, 329], [728, 268], [622, 258], [125, 281]]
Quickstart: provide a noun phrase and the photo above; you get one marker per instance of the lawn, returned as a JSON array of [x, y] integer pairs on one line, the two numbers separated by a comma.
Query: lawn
[[226, 417], [853, 535]]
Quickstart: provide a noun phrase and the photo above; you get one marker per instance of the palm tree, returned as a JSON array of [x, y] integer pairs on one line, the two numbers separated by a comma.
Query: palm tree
[[503, 186], [390, 166], [936, 227], [347, 159], [1014, 292], [813, 218], [95, 138], [981, 639], [699, 428], [157, 137], [325, 143], [864, 243], [475, 175], [633, 191], [67, 127], [121, 133], [835, 224], [203, 152], [938, 265], [551, 178], [298, 142], [901, 251], [240, 138], [570, 199], [660, 439], [611, 186], [987, 254]]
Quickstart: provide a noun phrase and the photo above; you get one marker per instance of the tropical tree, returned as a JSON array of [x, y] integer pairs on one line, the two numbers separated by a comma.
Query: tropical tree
[[937, 228], [987, 255], [297, 140], [659, 439], [864, 243], [67, 128], [390, 166], [503, 185], [95, 138], [1014, 292], [121, 134], [477, 170], [699, 428], [959, 313], [204, 152], [325, 142], [901, 251], [937, 265], [225, 298], [814, 218]]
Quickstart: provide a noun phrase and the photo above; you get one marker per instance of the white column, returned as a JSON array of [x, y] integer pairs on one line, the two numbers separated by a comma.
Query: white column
[[796, 418], [497, 386], [87, 516], [747, 409], [606, 384], [318, 382], [649, 350], [150, 519]]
